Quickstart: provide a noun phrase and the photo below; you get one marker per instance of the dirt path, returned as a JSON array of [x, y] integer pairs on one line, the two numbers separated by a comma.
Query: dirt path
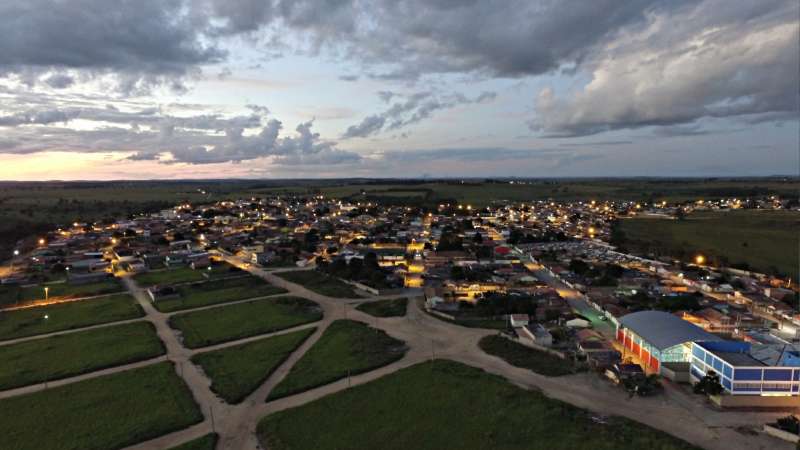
[[428, 338]]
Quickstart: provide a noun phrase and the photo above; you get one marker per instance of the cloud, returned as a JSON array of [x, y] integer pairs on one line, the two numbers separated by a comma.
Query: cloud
[[710, 59], [412, 109], [141, 43]]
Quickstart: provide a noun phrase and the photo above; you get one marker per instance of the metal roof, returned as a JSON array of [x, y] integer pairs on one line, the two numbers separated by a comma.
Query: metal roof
[[664, 330]]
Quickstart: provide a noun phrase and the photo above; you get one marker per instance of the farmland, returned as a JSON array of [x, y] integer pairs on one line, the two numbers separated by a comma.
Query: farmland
[[766, 241]]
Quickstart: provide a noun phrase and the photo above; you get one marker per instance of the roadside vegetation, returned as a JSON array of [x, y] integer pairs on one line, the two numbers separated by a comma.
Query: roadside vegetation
[[518, 355], [237, 371], [454, 406], [347, 347], [107, 412], [73, 354], [320, 283], [385, 308], [65, 316], [228, 323], [216, 292]]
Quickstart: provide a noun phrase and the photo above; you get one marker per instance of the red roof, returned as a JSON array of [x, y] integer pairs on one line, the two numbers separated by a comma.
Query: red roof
[[502, 250]]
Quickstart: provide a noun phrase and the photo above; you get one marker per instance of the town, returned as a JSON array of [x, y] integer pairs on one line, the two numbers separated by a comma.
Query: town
[[543, 288]]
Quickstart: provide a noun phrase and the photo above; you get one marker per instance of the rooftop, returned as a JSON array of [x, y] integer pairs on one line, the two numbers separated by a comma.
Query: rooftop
[[663, 330]]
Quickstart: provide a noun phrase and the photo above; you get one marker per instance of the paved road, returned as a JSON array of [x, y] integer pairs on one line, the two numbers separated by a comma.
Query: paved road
[[578, 303], [427, 338]]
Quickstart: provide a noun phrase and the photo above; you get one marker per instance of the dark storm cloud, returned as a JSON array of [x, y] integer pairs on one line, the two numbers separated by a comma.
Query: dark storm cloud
[[144, 41]]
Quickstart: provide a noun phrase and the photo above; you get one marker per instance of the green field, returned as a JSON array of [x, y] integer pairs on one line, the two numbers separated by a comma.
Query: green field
[[346, 347], [186, 274], [107, 412], [218, 291], [65, 316], [767, 241], [237, 371], [519, 355], [73, 354], [320, 283], [10, 295], [169, 276], [447, 405], [385, 308], [228, 323], [207, 442], [481, 193]]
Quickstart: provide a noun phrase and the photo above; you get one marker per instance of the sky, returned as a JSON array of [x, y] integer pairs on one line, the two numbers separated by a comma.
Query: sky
[[175, 89]]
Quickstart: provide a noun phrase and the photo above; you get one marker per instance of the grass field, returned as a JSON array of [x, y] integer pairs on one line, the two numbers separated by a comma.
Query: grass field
[[228, 323], [319, 283], [385, 308], [207, 442], [481, 193], [767, 241], [452, 406], [186, 274], [237, 371], [346, 347], [218, 291], [169, 276], [10, 295], [72, 354], [101, 413], [65, 316], [519, 355]]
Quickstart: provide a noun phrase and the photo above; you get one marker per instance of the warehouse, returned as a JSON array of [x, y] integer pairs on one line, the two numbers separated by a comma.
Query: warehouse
[[656, 337]]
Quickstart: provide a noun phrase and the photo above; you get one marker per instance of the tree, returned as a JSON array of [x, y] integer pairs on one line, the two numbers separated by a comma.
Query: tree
[[709, 385], [578, 266]]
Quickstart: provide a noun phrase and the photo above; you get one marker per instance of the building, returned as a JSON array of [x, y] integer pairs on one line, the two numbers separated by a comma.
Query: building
[[741, 372], [655, 337]]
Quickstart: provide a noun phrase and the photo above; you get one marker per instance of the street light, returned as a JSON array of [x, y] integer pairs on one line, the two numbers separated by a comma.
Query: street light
[[41, 241], [46, 293], [699, 259]]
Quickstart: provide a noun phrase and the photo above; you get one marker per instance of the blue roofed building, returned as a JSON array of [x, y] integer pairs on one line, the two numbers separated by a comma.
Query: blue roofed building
[[747, 370]]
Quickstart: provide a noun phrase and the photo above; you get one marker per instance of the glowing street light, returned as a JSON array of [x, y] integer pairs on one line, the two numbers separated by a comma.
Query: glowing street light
[[699, 259], [46, 293], [41, 241], [16, 252]]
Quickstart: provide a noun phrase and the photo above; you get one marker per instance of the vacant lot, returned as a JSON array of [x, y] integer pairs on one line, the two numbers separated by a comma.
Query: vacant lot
[[237, 371], [207, 442], [346, 347], [65, 316], [186, 274], [73, 354], [319, 283], [102, 413], [452, 406], [11, 295], [218, 291], [767, 241], [519, 355], [385, 308], [169, 276], [228, 323]]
